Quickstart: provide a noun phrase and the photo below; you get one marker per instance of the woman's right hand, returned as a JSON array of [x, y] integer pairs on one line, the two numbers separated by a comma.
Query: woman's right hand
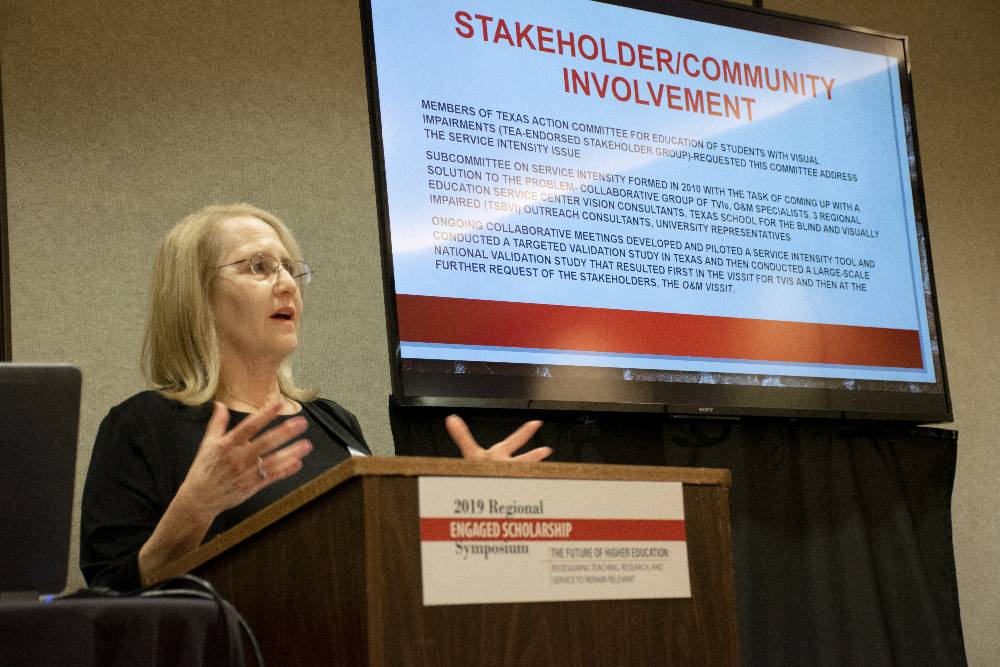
[[230, 466], [233, 465]]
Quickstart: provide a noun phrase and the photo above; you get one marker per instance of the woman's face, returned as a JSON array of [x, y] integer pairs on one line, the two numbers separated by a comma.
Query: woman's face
[[256, 317]]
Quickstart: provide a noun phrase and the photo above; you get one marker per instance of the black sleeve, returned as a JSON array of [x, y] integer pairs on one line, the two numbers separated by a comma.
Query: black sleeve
[[355, 427], [339, 422], [121, 503]]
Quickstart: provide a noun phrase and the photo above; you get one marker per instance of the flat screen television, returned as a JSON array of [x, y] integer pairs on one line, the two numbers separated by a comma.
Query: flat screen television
[[683, 207]]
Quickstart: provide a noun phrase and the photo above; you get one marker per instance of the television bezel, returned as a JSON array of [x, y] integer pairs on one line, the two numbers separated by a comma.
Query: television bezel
[[714, 400]]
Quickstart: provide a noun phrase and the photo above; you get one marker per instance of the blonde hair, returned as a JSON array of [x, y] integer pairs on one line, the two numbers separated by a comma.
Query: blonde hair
[[180, 348]]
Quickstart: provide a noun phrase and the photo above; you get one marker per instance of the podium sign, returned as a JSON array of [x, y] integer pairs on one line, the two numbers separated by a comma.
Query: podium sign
[[539, 540]]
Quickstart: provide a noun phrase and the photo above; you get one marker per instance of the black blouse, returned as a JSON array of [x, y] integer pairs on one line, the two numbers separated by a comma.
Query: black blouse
[[142, 453]]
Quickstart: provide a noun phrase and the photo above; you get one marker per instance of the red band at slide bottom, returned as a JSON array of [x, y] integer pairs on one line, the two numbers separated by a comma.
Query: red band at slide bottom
[[450, 321]]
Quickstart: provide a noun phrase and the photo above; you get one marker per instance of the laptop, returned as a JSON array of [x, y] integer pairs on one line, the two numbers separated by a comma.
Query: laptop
[[39, 420]]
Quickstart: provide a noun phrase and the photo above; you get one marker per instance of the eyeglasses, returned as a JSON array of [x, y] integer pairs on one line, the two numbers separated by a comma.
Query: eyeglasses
[[265, 266]]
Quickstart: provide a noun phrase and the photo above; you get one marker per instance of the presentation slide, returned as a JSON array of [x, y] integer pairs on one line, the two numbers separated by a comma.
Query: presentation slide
[[575, 183]]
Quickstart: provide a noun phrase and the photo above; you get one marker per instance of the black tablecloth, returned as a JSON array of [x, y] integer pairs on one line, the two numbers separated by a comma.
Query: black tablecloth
[[112, 632]]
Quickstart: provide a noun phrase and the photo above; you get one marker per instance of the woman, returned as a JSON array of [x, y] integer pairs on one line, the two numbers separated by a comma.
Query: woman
[[227, 431]]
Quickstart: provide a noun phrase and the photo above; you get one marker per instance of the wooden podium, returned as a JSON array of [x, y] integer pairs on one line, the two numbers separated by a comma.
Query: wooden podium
[[331, 575]]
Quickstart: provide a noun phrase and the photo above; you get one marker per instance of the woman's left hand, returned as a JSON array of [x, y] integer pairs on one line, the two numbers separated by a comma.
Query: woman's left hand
[[503, 450]]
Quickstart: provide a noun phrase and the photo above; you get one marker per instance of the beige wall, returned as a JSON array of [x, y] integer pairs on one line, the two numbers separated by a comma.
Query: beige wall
[[121, 117], [120, 121]]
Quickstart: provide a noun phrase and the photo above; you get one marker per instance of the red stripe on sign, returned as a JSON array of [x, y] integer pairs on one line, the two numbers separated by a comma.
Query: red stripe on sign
[[444, 320], [436, 529]]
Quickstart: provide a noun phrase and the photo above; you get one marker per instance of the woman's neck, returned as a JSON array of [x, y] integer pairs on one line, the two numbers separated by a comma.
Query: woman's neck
[[251, 388]]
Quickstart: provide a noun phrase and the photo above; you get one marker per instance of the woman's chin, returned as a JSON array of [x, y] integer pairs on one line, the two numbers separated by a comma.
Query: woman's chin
[[290, 346], [282, 348]]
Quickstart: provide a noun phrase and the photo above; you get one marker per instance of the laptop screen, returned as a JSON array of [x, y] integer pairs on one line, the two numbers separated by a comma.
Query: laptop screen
[[39, 419]]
